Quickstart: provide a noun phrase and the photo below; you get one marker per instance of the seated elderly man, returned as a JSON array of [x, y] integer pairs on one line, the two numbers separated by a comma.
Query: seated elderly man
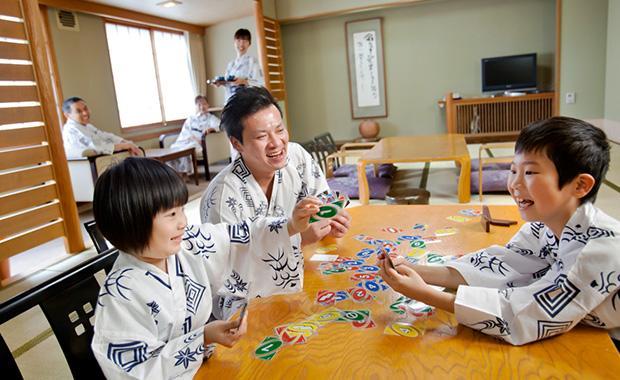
[[270, 175], [79, 135]]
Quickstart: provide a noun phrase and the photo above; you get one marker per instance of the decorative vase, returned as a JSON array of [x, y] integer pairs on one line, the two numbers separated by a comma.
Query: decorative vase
[[369, 129]]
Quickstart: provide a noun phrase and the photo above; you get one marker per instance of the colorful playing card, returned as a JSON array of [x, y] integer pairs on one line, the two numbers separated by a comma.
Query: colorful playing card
[[446, 231], [417, 244], [416, 252], [420, 226], [326, 249], [409, 237], [354, 315], [326, 316], [326, 297], [458, 218], [405, 329], [431, 239], [392, 230], [470, 212], [360, 295], [363, 276], [267, 349], [365, 253]]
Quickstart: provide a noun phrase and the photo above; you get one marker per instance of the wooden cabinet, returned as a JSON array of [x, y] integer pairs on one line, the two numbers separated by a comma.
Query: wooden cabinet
[[496, 119]]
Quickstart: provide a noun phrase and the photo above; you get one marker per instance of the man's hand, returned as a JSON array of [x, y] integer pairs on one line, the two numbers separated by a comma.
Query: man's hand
[[240, 82], [316, 231], [226, 333], [340, 224], [300, 220], [133, 149]]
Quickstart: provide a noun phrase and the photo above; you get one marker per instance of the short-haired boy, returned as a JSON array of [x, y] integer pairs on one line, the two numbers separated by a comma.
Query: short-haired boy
[[152, 311], [560, 269]]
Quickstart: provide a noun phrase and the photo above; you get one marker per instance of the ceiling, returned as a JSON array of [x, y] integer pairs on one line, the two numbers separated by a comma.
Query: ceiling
[[198, 12]]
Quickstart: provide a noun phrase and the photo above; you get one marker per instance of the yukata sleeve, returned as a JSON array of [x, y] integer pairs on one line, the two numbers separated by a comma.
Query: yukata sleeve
[[75, 143], [255, 77], [220, 204], [214, 122], [248, 259], [550, 306], [519, 263], [126, 344]]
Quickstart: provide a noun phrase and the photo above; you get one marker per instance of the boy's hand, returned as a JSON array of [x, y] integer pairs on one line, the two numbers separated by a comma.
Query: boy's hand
[[226, 333], [340, 224], [300, 220], [404, 280]]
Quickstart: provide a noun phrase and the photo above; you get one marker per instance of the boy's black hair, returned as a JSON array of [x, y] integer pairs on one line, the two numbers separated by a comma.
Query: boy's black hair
[[574, 146], [244, 103], [129, 195], [243, 34], [66, 105], [198, 97]]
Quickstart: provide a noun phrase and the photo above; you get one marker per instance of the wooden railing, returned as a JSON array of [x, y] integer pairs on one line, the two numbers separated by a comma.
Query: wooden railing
[[484, 119], [36, 200]]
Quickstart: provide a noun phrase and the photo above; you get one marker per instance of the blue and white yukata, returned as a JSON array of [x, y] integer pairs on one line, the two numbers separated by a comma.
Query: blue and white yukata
[[190, 136], [78, 138], [234, 195], [538, 286], [245, 67], [149, 324]]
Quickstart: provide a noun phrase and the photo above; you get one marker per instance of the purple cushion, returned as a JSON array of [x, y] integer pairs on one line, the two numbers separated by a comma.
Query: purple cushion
[[492, 181], [350, 170], [490, 166], [348, 185]]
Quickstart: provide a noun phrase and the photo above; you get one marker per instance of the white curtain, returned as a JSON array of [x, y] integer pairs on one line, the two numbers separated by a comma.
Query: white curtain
[[133, 68], [174, 67]]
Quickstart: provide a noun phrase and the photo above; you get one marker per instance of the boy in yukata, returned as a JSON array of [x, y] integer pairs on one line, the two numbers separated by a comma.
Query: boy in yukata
[[562, 267], [152, 312]]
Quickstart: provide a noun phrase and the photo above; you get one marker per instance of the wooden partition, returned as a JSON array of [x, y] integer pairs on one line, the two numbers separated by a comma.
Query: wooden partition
[[270, 53], [498, 117], [36, 200]]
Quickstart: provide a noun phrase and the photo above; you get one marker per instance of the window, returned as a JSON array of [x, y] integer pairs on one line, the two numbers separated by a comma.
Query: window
[[152, 76]]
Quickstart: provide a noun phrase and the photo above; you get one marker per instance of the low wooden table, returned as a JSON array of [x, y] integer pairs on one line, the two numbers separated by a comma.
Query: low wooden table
[[391, 150], [168, 154], [339, 351]]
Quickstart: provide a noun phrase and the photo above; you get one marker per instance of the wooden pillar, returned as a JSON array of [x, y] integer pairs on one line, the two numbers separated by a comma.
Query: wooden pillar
[[36, 35], [260, 41], [558, 57]]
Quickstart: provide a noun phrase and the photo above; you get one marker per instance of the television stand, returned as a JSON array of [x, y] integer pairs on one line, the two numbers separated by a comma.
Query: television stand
[[484, 119]]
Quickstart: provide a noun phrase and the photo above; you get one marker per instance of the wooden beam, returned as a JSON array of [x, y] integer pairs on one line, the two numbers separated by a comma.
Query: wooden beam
[[28, 198], [346, 11], [122, 14], [558, 57], [260, 38], [29, 240], [10, 50], [18, 94]]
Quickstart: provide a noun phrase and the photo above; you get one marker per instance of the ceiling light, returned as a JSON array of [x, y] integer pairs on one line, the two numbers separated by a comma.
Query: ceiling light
[[169, 3]]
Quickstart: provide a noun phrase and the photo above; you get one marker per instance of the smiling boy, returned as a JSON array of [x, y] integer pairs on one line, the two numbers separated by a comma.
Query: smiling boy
[[560, 269]]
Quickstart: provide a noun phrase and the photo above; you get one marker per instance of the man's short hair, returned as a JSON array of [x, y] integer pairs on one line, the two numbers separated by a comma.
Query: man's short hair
[[575, 147], [244, 103], [66, 105], [243, 34], [129, 195], [199, 97]]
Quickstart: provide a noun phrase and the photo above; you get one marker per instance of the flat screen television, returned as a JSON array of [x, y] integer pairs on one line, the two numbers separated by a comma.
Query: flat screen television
[[514, 72]]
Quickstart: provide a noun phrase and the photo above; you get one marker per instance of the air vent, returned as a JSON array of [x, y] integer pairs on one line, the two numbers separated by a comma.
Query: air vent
[[66, 20]]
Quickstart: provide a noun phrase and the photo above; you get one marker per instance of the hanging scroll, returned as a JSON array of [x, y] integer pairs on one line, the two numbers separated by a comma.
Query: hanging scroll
[[366, 69]]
